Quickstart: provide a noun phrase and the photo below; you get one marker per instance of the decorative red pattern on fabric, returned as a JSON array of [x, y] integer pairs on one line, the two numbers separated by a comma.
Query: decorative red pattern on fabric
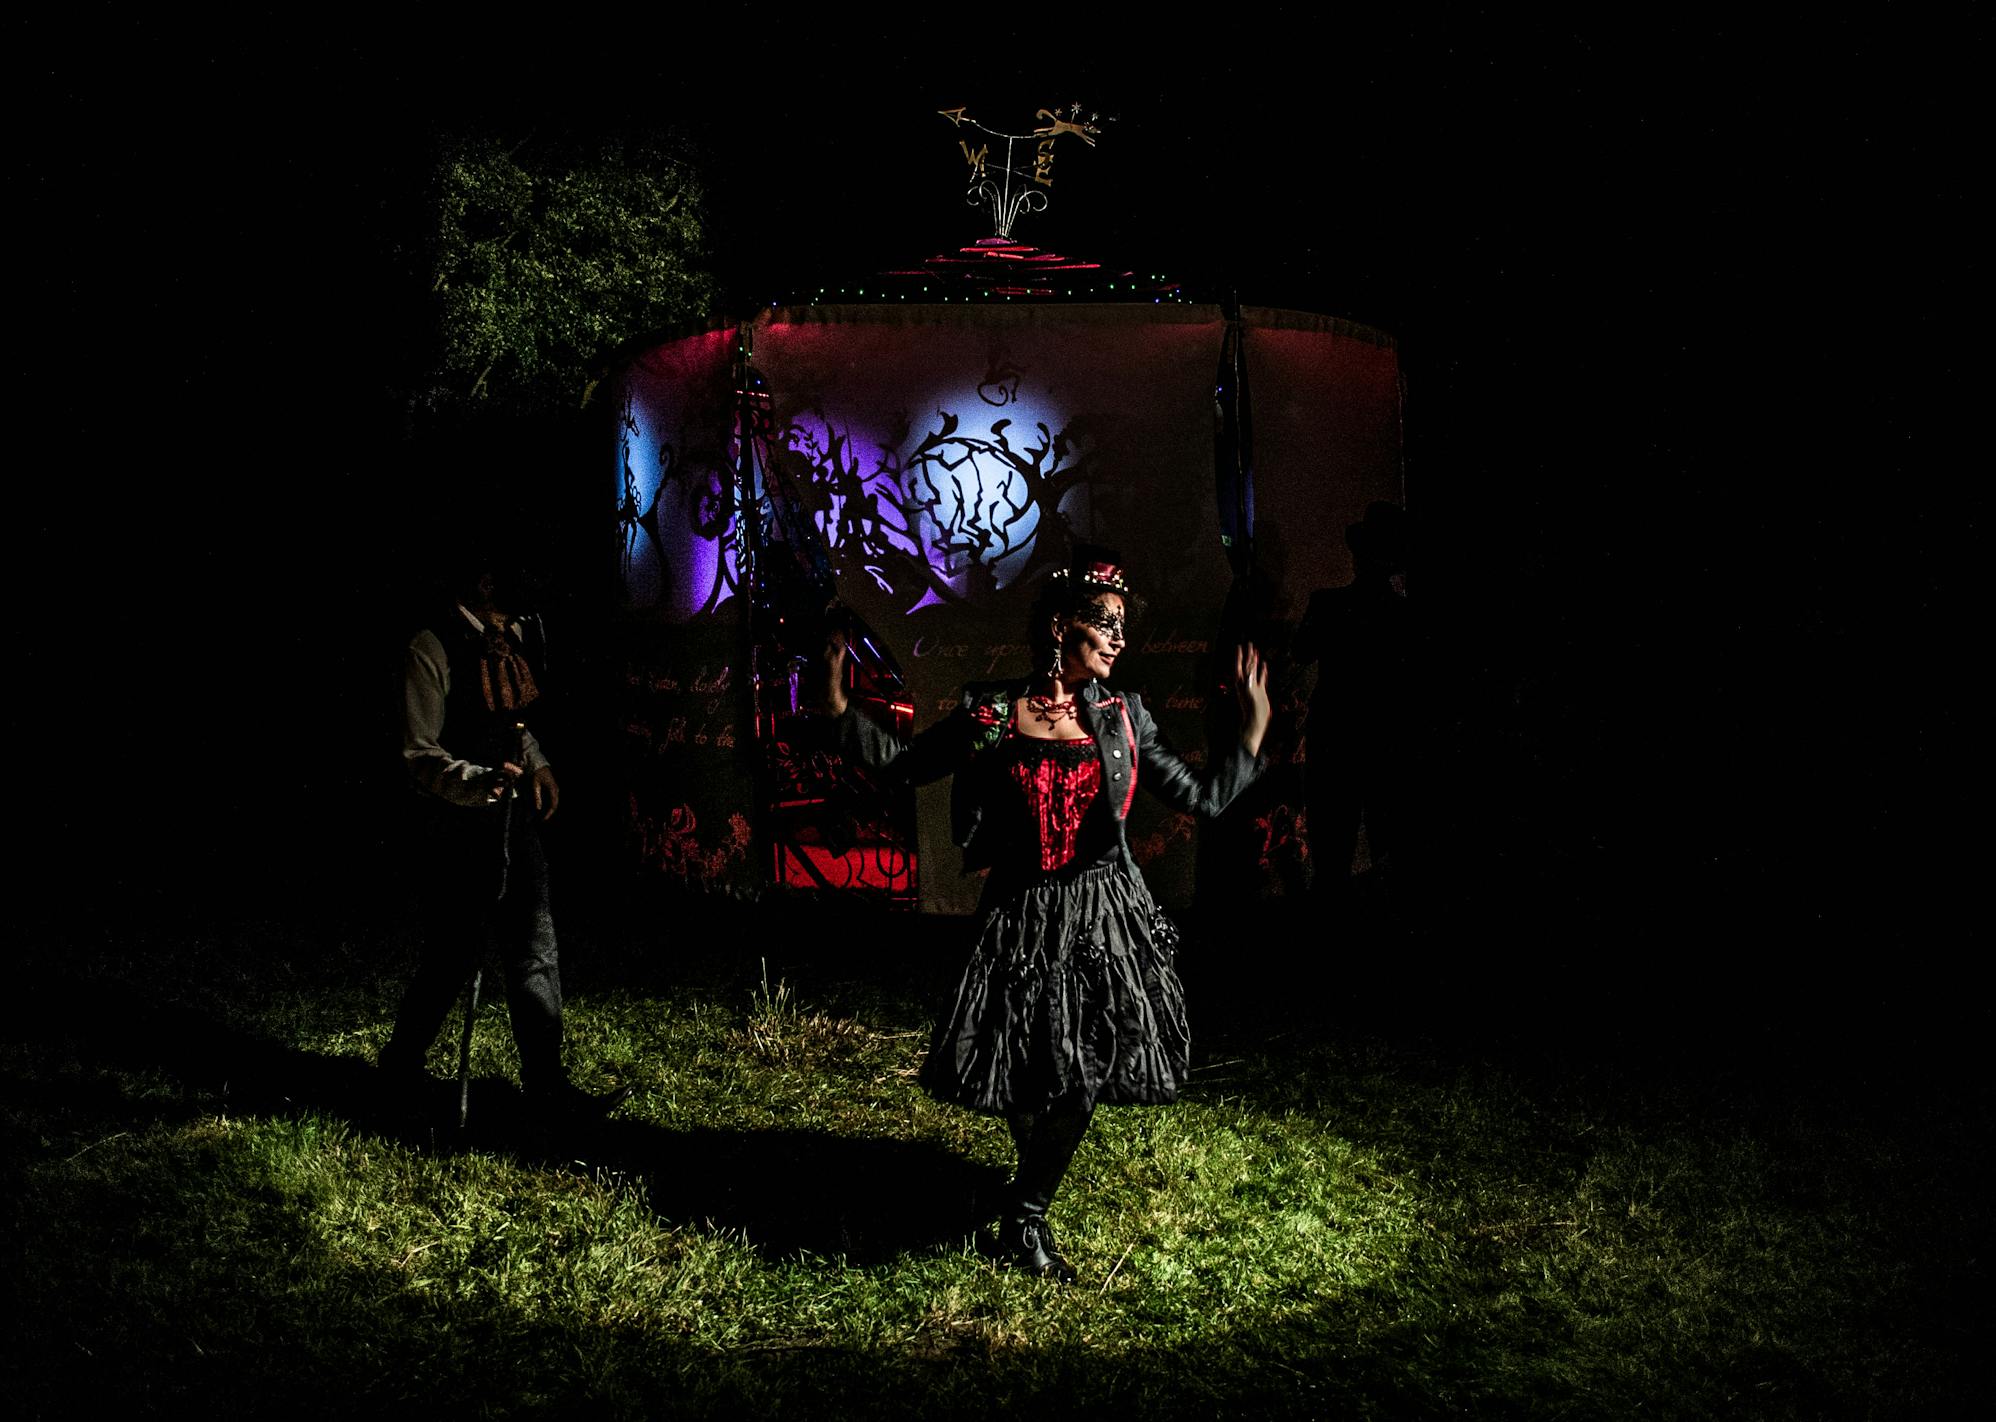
[[1058, 796]]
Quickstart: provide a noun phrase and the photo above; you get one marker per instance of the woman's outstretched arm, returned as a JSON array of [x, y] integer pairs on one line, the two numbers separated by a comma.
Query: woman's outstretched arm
[[930, 755], [1233, 767]]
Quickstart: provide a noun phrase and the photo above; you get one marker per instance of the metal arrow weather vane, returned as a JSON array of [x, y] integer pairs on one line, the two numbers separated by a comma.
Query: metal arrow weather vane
[[1018, 181]]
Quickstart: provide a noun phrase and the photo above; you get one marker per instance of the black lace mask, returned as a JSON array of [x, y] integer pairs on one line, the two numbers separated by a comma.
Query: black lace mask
[[1097, 615]]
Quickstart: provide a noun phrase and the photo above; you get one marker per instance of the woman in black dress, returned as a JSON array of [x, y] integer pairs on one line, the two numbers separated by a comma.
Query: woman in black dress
[[1070, 998]]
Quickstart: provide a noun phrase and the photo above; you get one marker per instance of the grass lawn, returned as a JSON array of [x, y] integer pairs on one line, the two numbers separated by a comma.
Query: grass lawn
[[1458, 1204]]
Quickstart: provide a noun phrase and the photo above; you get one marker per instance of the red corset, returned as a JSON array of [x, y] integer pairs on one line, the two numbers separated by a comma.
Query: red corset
[[1059, 780]]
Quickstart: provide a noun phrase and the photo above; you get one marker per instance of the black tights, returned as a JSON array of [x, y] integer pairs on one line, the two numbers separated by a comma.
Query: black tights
[[1046, 1140]]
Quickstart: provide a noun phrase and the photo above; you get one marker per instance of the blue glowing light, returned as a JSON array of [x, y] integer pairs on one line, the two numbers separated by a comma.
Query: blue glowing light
[[680, 553]]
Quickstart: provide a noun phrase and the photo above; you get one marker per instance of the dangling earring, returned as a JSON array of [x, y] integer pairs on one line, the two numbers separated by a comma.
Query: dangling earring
[[1047, 709]]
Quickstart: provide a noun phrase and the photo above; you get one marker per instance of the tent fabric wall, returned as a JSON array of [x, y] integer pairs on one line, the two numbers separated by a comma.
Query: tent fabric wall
[[1327, 404], [946, 457]]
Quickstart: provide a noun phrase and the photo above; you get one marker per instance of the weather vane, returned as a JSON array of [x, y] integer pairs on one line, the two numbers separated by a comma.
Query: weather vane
[[1015, 183]]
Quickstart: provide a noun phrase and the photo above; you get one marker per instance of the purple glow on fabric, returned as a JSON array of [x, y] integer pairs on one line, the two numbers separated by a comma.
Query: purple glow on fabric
[[850, 486], [692, 513], [674, 480]]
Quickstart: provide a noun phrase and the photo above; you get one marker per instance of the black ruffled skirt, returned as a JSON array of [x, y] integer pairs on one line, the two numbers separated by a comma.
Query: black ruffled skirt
[[1071, 985]]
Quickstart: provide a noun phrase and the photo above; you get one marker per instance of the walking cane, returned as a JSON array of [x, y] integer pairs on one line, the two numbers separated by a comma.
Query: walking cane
[[478, 973], [464, 1050]]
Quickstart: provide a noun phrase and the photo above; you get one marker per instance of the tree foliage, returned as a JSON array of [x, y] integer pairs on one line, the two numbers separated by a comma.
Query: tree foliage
[[549, 255]]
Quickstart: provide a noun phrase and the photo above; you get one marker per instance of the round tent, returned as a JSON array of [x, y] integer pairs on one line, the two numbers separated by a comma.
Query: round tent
[[928, 462]]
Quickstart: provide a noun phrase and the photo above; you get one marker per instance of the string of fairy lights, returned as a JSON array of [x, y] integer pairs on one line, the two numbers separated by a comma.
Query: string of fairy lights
[[1161, 288]]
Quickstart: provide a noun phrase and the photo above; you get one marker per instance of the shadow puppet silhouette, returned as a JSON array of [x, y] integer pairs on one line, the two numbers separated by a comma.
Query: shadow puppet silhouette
[[864, 1198]]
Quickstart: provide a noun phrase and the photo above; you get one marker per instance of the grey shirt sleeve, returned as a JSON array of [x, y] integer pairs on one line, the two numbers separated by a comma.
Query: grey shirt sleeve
[[425, 688]]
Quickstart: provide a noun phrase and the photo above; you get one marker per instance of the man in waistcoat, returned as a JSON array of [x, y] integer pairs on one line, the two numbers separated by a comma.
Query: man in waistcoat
[[471, 693]]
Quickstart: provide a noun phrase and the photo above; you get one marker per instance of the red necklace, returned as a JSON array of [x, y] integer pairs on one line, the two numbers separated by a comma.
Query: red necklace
[[1051, 712]]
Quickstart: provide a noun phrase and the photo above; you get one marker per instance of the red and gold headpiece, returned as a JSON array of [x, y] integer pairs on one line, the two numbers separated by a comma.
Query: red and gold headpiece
[[1104, 574]]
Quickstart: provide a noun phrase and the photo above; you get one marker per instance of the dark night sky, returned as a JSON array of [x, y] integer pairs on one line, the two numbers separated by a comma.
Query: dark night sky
[[1683, 315]]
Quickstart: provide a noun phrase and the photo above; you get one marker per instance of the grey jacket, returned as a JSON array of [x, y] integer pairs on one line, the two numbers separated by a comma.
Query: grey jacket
[[962, 745]]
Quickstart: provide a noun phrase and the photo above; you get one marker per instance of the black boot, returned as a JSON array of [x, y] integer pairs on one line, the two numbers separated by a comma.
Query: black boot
[[566, 1102], [1047, 1140], [1027, 1244], [404, 1084]]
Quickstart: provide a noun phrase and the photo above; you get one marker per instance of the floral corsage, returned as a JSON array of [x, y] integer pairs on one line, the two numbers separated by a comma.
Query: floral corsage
[[988, 720]]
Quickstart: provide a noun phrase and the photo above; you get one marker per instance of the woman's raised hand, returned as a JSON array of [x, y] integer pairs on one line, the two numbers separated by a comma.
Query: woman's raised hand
[[823, 686], [1251, 691]]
